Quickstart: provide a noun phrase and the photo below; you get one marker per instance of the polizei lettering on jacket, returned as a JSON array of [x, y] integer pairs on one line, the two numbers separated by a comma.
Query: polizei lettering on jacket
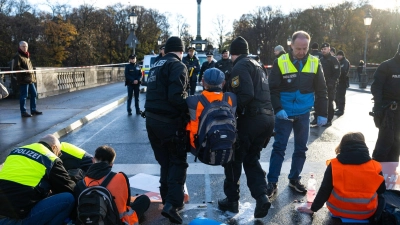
[[26, 152], [289, 76], [395, 76]]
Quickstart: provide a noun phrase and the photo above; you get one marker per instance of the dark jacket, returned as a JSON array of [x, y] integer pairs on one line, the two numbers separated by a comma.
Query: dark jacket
[[22, 62], [331, 68], [316, 53], [225, 65], [166, 87], [132, 73], [249, 82], [204, 67], [360, 68], [344, 71], [158, 58], [192, 63], [386, 85], [280, 53], [299, 88], [350, 153], [17, 200]]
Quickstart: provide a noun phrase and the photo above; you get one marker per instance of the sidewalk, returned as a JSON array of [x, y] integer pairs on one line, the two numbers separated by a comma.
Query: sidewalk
[[61, 115], [355, 87]]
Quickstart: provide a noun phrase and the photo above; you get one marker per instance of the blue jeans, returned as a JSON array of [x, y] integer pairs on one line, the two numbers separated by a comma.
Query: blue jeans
[[52, 210], [24, 88], [283, 128]]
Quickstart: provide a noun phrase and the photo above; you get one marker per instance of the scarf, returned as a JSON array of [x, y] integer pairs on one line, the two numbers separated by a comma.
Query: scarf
[[26, 54]]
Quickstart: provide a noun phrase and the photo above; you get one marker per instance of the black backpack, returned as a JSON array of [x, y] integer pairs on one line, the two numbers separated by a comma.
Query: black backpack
[[216, 134], [96, 205]]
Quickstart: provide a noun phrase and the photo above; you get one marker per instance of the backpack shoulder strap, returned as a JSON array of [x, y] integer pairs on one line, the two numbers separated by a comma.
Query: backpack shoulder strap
[[225, 97], [107, 180], [204, 101], [128, 201]]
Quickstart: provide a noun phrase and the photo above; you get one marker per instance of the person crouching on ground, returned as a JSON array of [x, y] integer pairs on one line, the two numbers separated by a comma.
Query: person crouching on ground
[[353, 184]]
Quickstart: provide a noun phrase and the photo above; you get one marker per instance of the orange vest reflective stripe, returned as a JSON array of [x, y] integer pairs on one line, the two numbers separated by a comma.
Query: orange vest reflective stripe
[[196, 108], [120, 193], [354, 189]]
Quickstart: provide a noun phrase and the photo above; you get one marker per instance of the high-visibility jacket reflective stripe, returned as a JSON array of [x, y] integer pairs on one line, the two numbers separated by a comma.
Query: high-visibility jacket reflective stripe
[[28, 164], [196, 108], [354, 189], [118, 188], [286, 66], [72, 150]]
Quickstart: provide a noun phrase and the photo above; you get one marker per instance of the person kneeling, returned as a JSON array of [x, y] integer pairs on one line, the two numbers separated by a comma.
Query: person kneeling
[[118, 186], [353, 184]]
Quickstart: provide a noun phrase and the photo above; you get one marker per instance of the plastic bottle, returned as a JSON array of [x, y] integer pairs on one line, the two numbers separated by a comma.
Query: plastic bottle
[[311, 188]]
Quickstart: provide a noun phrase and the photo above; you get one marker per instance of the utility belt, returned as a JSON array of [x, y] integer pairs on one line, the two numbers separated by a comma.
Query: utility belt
[[256, 111], [392, 105]]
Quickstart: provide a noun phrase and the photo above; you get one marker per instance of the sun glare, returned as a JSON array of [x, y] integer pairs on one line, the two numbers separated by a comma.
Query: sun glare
[[385, 4]]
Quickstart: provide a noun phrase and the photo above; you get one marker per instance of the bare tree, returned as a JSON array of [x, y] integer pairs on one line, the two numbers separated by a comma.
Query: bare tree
[[221, 29]]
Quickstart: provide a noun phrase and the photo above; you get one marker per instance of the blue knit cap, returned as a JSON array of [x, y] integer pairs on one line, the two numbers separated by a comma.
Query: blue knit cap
[[214, 76]]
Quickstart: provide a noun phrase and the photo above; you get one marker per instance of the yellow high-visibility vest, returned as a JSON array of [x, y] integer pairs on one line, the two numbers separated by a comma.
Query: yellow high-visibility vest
[[72, 150], [286, 66]]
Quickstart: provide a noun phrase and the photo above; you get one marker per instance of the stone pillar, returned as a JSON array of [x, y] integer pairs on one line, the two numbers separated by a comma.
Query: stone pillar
[[198, 37]]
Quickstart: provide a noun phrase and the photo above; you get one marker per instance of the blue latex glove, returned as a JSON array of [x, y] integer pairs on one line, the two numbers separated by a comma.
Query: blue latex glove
[[321, 121], [282, 115]]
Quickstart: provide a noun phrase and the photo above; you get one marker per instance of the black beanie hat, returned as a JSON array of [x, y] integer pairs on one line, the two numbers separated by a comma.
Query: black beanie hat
[[315, 45], [174, 44], [340, 53], [239, 46]]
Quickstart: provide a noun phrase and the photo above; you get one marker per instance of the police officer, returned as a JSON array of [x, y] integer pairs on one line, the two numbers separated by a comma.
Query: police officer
[[315, 50], [343, 84], [331, 68], [193, 66], [386, 92], [75, 160], [161, 54], [225, 65], [133, 77], [165, 110], [255, 125], [29, 175], [207, 65]]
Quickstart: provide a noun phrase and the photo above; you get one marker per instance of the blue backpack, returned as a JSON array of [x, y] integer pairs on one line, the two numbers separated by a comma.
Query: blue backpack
[[216, 134]]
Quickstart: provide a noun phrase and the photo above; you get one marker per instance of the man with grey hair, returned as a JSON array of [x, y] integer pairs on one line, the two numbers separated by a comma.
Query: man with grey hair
[[29, 175], [25, 80], [295, 81], [278, 51]]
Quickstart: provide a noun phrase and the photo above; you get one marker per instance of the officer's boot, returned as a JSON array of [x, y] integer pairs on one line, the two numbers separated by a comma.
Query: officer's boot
[[226, 205], [171, 213], [262, 206]]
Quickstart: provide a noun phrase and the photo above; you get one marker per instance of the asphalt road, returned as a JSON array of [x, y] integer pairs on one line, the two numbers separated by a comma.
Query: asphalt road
[[128, 136]]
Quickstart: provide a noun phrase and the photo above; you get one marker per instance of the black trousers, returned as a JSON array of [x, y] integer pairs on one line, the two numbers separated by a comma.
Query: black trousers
[[253, 134], [331, 99], [387, 147], [140, 205], [193, 85], [133, 90], [340, 99], [172, 161]]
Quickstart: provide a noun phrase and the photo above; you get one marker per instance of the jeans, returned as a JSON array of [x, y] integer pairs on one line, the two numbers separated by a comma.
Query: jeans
[[133, 89], [24, 88], [52, 210], [283, 128]]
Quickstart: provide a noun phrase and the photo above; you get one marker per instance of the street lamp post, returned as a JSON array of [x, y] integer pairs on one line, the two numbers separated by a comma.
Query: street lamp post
[[289, 42], [364, 75], [159, 41], [133, 21], [258, 50]]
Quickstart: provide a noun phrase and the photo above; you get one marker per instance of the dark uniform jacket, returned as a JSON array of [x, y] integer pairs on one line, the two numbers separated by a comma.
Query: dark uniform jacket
[[331, 68], [191, 63], [22, 62], [17, 200], [225, 65], [344, 71], [316, 53], [132, 73], [249, 82], [204, 67], [386, 85], [166, 87]]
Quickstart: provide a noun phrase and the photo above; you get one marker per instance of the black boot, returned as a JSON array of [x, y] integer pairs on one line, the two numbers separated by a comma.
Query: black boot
[[262, 206], [226, 205], [170, 212]]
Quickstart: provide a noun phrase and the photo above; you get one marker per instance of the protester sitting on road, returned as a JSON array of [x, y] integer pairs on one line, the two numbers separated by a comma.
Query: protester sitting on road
[[213, 81], [75, 160], [29, 175], [353, 184], [130, 212]]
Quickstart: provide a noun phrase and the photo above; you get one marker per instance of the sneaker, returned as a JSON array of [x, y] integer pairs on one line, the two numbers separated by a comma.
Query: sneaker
[[226, 205], [314, 122], [35, 112], [25, 114], [298, 186], [272, 188]]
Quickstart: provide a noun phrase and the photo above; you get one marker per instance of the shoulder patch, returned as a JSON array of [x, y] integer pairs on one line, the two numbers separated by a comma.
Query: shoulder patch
[[235, 82], [336, 67]]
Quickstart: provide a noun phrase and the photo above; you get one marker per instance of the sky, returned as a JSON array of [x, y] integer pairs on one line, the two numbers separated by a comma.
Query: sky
[[230, 9]]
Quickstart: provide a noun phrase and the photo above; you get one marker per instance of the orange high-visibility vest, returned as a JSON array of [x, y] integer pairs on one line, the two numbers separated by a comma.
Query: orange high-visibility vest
[[196, 108], [118, 188], [354, 189]]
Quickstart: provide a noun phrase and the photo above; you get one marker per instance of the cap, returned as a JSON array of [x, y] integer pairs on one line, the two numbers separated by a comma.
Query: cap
[[223, 51], [333, 50], [133, 56], [209, 54], [174, 44], [191, 48], [279, 48], [325, 45], [239, 46], [213, 76], [315, 45], [162, 46], [340, 53]]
